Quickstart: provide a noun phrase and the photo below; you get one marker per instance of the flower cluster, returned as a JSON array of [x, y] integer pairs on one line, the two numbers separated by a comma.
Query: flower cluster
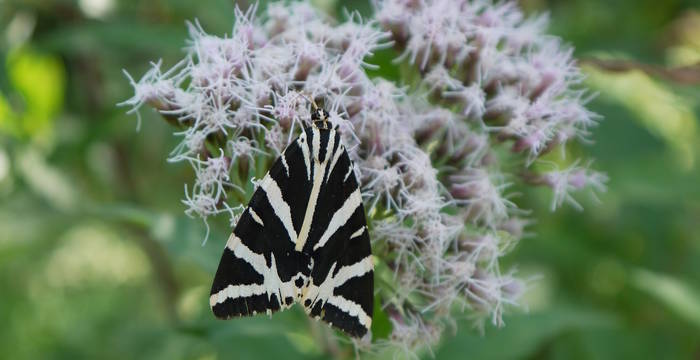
[[488, 94]]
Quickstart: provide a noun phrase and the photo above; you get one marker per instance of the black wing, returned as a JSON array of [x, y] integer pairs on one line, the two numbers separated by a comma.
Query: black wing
[[259, 270], [341, 285]]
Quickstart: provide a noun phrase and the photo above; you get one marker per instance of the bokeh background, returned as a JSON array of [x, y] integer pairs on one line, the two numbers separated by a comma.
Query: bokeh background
[[97, 259]]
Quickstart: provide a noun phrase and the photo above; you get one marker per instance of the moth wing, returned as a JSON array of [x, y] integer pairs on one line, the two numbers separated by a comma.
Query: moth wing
[[341, 285], [259, 270]]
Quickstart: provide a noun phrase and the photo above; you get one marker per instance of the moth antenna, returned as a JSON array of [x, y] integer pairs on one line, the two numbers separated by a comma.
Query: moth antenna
[[309, 98]]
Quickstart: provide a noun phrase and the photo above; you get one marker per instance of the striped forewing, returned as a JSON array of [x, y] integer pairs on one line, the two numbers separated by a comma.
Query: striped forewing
[[303, 238]]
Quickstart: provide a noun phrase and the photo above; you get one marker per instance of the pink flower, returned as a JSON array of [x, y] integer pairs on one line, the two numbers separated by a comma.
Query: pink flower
[[484, 94]]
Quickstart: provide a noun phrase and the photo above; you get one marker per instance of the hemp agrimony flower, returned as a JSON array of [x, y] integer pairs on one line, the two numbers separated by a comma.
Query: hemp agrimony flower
[[486, 95]]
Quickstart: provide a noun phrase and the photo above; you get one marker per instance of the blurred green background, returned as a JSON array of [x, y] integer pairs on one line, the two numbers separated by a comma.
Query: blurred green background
[[97, 259]]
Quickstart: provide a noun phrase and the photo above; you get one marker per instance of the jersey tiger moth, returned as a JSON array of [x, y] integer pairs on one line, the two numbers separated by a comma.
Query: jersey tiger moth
[[303, 238]]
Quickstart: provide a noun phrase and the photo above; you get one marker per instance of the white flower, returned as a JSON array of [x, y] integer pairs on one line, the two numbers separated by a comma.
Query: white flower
[[411, 332], [473, 99], [482, 195], [573, 178]]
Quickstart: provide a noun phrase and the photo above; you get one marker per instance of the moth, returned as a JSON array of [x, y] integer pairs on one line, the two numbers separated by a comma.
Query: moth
[[302, 239]]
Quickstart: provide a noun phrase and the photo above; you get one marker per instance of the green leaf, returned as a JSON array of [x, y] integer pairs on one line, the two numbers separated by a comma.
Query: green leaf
[[523, 334], [657, 106], [676, 295], [39, 80], [381, 326], [115, 36], [8, 118]]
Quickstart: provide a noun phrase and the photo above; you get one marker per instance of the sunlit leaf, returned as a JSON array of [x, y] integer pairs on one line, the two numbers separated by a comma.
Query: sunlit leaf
[[687, 48], [39, 80], [46, 180], [657, 107], [675, 294]]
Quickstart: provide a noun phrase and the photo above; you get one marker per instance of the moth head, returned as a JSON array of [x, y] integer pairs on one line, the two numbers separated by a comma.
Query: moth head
[[319, 114]]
